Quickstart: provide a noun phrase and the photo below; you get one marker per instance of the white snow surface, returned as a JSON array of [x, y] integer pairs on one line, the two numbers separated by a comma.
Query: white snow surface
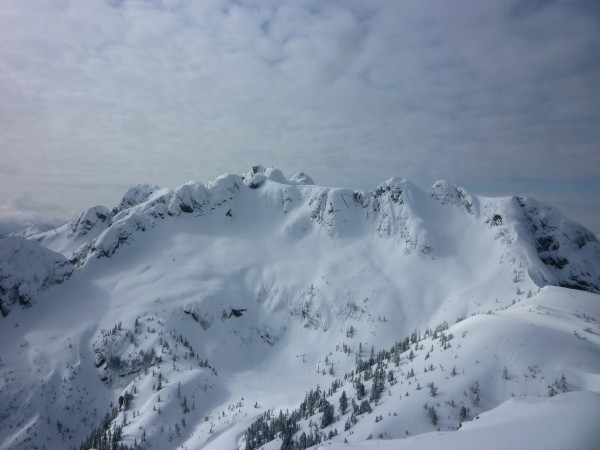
[[242, 293], [556, 423]]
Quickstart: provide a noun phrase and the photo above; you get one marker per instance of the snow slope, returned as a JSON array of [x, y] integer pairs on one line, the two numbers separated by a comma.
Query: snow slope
[[519, 424], [213, 303]]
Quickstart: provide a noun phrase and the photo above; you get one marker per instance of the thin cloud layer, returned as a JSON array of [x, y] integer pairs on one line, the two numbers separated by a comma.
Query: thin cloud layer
[[114, 93]]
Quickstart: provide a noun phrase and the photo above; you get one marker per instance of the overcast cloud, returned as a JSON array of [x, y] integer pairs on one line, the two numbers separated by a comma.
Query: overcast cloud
[[501, 97]]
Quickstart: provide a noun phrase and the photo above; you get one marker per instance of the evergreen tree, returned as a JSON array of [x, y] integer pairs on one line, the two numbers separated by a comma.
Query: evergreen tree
[[378, 384], [563, 383], [463, 414], [365, 407], [432, 414], [327, 418], [343, 403], [360, 389], [432, 389]]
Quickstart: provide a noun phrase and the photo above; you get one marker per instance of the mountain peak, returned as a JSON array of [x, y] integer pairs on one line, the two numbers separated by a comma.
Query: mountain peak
[[559, 251], [446, 192], [136, 195], [188, 317], [258, 174]]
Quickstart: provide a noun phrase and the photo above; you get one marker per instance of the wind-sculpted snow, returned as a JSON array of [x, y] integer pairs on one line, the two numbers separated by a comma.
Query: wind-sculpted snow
[[26, 269], [194, 315]]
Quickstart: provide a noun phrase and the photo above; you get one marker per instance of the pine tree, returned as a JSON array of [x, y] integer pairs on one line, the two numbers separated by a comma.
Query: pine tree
[[378, 385], [365, 407], [432, 414], [343, 403], [563, 383], [432, 389], [463, 414], [327, 417], [360, 389], [159, 384]]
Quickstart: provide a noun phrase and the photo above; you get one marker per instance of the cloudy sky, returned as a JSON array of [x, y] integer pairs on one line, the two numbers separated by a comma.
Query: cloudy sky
[[500, 97]]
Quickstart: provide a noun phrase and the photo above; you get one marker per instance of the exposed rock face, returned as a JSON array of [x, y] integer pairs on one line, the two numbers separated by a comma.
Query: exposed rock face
[[569, 251]]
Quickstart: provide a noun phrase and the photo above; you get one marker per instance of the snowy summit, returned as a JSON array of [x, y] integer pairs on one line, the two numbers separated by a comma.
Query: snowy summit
[[260, 311]]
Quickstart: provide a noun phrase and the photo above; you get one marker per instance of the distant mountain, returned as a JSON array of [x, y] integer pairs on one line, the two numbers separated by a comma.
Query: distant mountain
[[191, 316], [397, 209], [25, 270]]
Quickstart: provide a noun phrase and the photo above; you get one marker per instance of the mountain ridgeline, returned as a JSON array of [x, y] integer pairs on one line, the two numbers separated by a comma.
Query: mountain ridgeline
[[257, 311], [264, 202]]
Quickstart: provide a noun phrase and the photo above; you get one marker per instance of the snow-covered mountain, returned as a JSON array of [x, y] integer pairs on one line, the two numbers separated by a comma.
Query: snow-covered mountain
[[192, 317], [26, 269]]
